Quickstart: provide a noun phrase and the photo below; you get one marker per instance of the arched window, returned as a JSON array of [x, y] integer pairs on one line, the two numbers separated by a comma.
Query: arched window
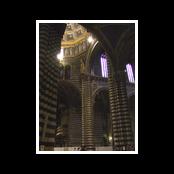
[[104, 67], [130, 73], [67, 72]]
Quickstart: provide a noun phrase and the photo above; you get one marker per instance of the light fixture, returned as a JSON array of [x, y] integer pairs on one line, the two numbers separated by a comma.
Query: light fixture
[[60, 55], [110, 138], [90, 39]]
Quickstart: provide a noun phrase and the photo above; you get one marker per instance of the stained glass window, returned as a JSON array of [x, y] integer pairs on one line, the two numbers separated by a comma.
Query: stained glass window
[[130, 73], [104, 67]]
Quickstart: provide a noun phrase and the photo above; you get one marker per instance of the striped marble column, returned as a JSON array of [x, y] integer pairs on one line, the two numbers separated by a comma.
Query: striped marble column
[[87, 115], [43, 47], [121, 123], [48, 79], [123, 116], [89, 124], [83, 111], [112, 100]]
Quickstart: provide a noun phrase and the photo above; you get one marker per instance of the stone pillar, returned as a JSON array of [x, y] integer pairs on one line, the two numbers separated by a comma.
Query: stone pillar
[[121, 124], [49, 42], [87, 115], [123, 116], [112, 101], [83, 111], [43, 46], [43, 40]]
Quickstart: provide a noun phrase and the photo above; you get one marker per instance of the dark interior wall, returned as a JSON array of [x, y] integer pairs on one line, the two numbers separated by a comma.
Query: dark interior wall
[[69, 114]]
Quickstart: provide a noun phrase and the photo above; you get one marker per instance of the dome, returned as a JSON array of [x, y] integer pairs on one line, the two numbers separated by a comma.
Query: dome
[[74, 34]]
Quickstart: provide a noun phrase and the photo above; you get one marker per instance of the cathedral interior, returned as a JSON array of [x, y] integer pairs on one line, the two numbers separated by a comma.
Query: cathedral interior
[[87, 86]]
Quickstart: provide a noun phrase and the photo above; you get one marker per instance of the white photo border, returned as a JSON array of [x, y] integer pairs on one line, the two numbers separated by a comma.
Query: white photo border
[[37, 86]]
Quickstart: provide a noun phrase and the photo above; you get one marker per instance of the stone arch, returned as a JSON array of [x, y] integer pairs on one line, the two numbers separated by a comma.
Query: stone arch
[[105, 43], [102, 121], [95, 50], [88, 57], [97, 91], [124, 49]]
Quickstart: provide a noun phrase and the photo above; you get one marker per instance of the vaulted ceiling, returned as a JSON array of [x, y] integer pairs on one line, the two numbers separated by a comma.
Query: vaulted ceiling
[[117, 39], [108, 33], [74, 34]]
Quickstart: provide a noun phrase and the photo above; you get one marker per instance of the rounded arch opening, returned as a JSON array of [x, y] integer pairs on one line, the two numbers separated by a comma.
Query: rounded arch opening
[[102, 120]]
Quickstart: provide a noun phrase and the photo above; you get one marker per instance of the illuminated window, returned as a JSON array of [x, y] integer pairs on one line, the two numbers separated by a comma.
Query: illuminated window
[[130, 73], [104, 67]]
